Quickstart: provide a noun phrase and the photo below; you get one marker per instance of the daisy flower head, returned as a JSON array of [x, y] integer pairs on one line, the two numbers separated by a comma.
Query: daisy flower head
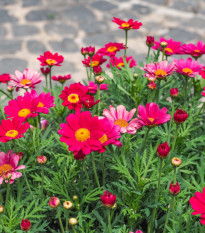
[[187, 68], [127, 25], [50, 59], [11, 129], [119, 62], [61, 78], [195, 51], [97, 60], [4, 78], [72, 96], [81, 133], [28, 79], [9, 167], [92, 87], [111, 49], [120, 116], [151, 116]]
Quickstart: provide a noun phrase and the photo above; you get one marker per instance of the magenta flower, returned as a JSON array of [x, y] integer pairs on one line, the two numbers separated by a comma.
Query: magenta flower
[[195, 51], [203, 92], [119, 62], [110, 49], [122, 118], [28, 79], [187, 68], [151, 115], [8, 167], [92, 87]]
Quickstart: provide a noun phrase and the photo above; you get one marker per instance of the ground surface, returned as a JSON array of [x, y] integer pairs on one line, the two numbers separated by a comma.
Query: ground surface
[[30, 27]]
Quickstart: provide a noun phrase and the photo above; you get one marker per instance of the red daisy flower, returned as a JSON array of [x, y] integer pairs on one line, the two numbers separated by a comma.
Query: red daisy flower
[[88, 101], [46, 101], [110, 49], [173, 47], [81, 132], [12, 129], [23, 107], [202, 72], [49, 59], [127, 25], [4, 78], [61, 79], [119, 62], [195, 51], [92, 87], [96, 61], [72, 96]]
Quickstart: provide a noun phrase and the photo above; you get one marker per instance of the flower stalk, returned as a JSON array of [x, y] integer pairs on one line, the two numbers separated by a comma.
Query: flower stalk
[[126, 37], [109, 221], [95, 172], [60, 221]]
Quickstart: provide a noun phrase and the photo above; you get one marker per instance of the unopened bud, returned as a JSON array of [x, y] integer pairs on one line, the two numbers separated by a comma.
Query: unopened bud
[[1, 209], [176, 162], [163, 44], [41, 159], [75, 197], [67, 205], [99, 79], [73, 221]]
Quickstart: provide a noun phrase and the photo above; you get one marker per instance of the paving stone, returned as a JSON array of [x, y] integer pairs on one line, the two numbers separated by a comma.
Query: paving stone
[[7, 2], [5, 17], [195, 22], [79, 14], [9, 65], [3, 31], [66, 68], [131, 34], [41, 15], [32, 3], [185, 5], [158, 2], [144, 10], [24, 30], [66, 45], [94, 26], [98, 39], [181, 35], [61, 29], [10, 46], [36, 47], [103, 5]]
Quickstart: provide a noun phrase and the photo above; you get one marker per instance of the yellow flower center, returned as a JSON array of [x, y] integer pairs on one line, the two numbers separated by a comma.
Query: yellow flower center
[[25, 81], [5, 168], [121, 122], [196, 51], [50, 62], [40, 105], [103, 139], [12, 133], [112, 49], [151, 119], [94, 63], [73, 98], [168, 50], [24, 112], [126, 25], [82, 134], [120, 64], [187, 71], [160, 73]]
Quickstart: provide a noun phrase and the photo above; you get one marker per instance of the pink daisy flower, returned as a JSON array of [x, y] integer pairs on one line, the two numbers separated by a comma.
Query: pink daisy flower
[[122, 118], [28, 79], [12, 129], [151, 115], [46, 101], [158, 70], [173, 47], [127, 25], [110, 49], [92, 87], [8, 167], [111, 133], [23, 107], [61, 79], [82, 133], [119, 62], [97, 60], [49, 59], [195, 51], [187, 68]]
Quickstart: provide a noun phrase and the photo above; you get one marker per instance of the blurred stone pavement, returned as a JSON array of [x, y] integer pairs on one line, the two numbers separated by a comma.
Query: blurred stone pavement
[[30, 27]]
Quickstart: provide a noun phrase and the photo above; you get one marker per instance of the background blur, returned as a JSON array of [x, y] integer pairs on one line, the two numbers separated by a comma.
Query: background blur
[[30, 27]]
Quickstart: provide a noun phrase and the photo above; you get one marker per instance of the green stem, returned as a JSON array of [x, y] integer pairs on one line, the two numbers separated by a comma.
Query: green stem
[[150, 227], [109, 221], [163, 53], [5, 94], [42, 181], [185, 89], [175, 138], [103, 168], [73, 228], [167, 218], [66, 221], [27, 183], [91, 67], [86, 69], [37, 131], [86, 173], [98, 98], [144, 141], [60, 221], [50, 78], [46, 76], [7, 195], [175, 175], [95, 172], [170, 123], [126, 33], [148, 53], [1, 198], [2, 112], [2, 224], [158, 90]]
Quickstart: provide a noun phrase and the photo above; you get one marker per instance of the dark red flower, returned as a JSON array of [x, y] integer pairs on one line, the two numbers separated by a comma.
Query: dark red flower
[[180, 116], [174, 92], [174, 188], [88, 101], [152, 85], [80, 155], [61, 79], [97, 70], [25, 225], [150, 41], [4, 78], [108, 199], [45, 71], [163, 150], [202, 72], [91, 50], [84, 50]]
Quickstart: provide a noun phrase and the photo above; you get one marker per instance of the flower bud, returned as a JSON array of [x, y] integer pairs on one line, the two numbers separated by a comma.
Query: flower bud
[[176, 162], [25, 225], [163, 44], [1, 209], [152, 85], [44, 124], [41, 159], [75, 197], [174, 189], [91, 51], [150, 41], [80, 156], [10, 88], [135, 75], [180, 116], [54, 202], [99, 79], [163, 150], [108, 199], [73, 221], [97, 70], [67, 205], [84, 51], [45, 71], [174, 92]]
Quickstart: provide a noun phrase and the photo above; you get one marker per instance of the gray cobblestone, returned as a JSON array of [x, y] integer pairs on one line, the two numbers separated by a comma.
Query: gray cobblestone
[[24, 30], [103, 5], [3, 31], [10, 46], [61, 29], [5, 17], [67, 45], [41, 15], [9, 65], [36, 47], [32, 3]]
